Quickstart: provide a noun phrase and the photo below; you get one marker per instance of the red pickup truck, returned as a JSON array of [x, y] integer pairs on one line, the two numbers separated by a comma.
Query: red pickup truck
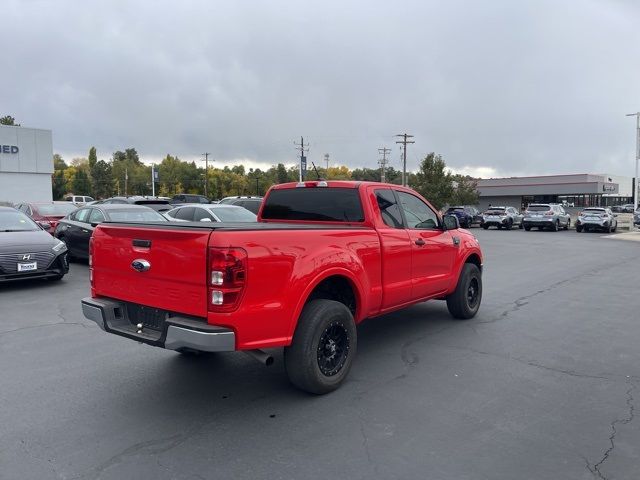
[[323, 257]]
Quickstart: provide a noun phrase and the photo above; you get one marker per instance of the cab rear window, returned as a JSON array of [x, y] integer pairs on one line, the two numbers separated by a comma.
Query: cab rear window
[[324, 204]]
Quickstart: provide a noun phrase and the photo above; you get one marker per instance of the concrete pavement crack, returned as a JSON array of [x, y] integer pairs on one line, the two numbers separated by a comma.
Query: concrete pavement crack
[[596, 469], [30, 327], [518, 303]]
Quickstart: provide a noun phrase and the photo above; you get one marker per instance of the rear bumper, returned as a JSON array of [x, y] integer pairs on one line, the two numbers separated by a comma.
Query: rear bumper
[[177, 333], [538, 222]]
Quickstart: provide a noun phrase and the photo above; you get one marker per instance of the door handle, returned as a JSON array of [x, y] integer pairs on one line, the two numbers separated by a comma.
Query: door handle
[[419, 242], [85, 231]]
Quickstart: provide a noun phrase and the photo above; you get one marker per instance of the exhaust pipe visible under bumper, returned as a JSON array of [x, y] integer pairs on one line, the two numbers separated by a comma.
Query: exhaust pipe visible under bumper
[[262, 357]]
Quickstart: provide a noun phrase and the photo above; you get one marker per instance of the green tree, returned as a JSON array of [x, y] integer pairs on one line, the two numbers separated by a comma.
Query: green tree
[[8, 120], [101, 179], [58, 184], [433, 181], [58, 162], [282, 176], [81, 184], [465, 190]]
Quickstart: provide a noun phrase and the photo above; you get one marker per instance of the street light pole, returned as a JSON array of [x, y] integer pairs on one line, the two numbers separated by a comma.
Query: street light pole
[[635, 182], [206, 172]]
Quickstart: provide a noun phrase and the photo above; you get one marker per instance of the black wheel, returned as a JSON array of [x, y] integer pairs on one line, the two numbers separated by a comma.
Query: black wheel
[[609, 229], [323, 347], [528, 229], [486, 227], [464, 302], [578, 228], [615, 228], [499, 227], [566, 227], [509, 224], [556, 226]]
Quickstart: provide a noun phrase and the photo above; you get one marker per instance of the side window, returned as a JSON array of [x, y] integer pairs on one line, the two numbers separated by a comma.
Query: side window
[[202, 213], [185, 214], [417, 213], [96, 216], [82, 215], [389, 209]]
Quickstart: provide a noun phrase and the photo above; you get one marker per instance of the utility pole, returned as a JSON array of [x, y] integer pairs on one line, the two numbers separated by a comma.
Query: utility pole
[[303, 159], [153, 180], [126, 181], [206, 173], [257, 179], [404, 143], [326, 160], [635, 181], [383, 162]]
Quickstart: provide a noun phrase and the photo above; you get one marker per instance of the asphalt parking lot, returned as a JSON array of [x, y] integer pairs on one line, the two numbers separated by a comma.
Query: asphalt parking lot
[[543, 384]]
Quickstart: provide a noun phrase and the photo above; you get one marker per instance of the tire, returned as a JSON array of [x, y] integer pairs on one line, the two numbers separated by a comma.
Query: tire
[[578, 228], [509, 225], [566, 227], [486, 227], [615, 228], [499, 227], [609, 229], [323, 347], [462, 303], [528, 229], [556, 226]]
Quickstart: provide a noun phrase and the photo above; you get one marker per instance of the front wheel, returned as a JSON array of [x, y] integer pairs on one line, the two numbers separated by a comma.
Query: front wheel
[[528, 229], [486, 227], [509, 225], [464, 302], [323, 347], [578, 228]]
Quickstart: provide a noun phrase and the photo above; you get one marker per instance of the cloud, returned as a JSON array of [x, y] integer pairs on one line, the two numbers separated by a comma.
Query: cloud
[[528, 87]]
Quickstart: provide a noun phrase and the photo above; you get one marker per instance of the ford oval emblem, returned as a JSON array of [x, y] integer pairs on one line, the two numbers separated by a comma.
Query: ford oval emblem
[[140, 265]]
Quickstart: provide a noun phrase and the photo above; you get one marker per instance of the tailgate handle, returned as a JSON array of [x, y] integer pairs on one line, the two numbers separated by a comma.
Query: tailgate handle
[[141, 243]]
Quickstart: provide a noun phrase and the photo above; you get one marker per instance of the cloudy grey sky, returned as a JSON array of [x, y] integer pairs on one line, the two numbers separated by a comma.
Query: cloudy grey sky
[[498, 87]]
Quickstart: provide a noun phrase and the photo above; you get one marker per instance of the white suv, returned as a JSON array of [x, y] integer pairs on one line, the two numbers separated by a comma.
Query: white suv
[[79, 200]]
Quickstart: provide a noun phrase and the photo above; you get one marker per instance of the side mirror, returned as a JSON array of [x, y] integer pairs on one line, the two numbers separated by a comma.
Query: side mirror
[[44, 225], [205, 219], [450, 222], [95, 224]]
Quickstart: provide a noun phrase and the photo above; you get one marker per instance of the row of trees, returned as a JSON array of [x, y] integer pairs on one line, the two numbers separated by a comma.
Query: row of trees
[[125, 174]]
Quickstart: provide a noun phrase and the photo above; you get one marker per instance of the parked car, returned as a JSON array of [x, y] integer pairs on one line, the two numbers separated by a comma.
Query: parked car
[[211, 213], [596, 218], [627, 208], [636, 218], [27, 251], [79, 200], [188, 198], [321, 259], [47, 214], [250, 203], [502, 217], [468, 215], [156, 204], [76, 229], [546, 215]]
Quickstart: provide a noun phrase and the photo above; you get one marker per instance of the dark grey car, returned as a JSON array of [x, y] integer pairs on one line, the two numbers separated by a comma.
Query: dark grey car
[[27, 251], [546, 216]]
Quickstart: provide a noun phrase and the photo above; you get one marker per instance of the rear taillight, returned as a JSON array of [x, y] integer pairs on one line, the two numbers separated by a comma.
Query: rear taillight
[[226, 277], [550, 212]]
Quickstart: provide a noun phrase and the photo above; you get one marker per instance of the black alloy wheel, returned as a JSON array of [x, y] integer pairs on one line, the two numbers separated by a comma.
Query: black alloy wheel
[[333, 349]]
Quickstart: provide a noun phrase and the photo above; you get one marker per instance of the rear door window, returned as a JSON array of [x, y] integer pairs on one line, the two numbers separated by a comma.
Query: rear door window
[[201, 213], [83, 215], [389, 209], [96, 216], [185, 213]]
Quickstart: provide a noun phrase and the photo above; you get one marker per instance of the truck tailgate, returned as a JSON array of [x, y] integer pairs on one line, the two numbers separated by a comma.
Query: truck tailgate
[[176, 279]]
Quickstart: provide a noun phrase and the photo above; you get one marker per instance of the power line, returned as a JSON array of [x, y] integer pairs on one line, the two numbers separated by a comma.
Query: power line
[[383, 162], [404, 143]]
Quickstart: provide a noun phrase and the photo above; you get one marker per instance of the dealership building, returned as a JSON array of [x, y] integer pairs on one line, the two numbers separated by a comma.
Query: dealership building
[[579, 190], [26, 164]]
